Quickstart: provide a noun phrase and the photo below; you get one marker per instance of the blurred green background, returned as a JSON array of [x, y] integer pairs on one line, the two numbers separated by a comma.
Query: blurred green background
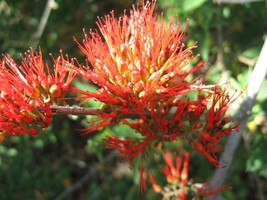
[[62, 164]]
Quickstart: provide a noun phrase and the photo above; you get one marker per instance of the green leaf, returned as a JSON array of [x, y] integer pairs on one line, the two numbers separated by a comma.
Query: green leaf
[[261, 96], [125, 131], [242, 80], [252, 52], [190, 5]]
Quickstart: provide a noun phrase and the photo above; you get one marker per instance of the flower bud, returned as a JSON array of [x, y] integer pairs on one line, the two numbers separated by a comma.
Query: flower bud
[[55, 90]]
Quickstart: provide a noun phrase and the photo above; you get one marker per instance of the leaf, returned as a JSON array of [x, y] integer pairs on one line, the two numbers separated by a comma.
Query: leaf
[[242, 80], [252, 52], [190, 5], [262, 93], [125, 131]]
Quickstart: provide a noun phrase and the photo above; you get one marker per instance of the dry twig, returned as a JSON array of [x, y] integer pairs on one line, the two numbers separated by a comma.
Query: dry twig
[[37, 35], [89, 176]]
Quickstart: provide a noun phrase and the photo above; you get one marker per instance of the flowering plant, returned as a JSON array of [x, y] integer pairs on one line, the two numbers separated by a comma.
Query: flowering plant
[[145, 79]]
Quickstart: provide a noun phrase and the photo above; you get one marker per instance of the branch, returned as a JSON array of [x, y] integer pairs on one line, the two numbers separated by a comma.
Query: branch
[[89, 176], [256, 79], [65, 110], [37, 35], [220, 62]]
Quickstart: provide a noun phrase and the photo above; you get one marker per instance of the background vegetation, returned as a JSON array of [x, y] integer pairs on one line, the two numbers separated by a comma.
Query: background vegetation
[[62, 164]]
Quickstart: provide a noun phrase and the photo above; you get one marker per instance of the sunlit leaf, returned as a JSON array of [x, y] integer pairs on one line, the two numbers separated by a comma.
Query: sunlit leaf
[[190, 5]]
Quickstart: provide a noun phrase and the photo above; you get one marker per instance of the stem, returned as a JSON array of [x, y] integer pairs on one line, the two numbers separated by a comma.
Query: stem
[[256, 79], [65, 110], [37, 35], [91, 175]]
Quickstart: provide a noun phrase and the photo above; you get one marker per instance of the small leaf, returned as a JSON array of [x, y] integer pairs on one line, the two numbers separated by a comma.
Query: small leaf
[[252, 52], [190, 5]]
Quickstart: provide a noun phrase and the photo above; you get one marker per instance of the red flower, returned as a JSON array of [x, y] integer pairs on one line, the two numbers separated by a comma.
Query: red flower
[[173, 172], [203, 191], [27, 91], [51, 86], [141, 63], [142, 182], [176, 172], [129, 148], [197, 121], [179, 187], [155, 186], [140, 67]]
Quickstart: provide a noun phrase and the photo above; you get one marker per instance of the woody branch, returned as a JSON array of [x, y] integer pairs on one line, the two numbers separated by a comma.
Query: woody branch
[[66, 110]]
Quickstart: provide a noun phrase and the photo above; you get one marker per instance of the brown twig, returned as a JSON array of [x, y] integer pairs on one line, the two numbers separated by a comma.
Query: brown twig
[[66, 110], [37, 35], [256, 79], [89, 176], [220, 62]]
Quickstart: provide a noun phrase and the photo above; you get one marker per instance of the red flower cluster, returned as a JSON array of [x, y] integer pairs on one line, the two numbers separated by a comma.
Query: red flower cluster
[[175, 173], [200, 122], [141, 63], [27, 90], [142, 70], [178, 186]]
